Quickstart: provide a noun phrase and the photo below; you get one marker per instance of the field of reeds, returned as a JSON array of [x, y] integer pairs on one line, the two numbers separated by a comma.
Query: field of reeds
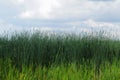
[[38, 56]]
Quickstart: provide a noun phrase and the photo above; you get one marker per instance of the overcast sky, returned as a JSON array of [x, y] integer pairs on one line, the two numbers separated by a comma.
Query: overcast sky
[[58, 15]]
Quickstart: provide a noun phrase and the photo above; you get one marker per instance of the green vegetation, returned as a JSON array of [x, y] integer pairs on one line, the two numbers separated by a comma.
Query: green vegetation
[[59, 57]]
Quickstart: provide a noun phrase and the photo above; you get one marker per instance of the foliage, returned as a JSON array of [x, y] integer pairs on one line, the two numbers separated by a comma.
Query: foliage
[[40, 56]]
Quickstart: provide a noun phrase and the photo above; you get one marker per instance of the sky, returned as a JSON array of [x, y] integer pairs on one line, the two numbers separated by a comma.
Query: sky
[[60, 15]]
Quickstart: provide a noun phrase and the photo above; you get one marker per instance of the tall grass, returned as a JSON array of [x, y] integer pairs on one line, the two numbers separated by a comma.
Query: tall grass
[[42, 50], [45, 50]]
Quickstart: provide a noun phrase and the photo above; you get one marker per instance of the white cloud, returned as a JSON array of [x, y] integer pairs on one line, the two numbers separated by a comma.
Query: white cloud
[[55, 9], [38, 8], [64, 9], [26, 14], [17, 2]]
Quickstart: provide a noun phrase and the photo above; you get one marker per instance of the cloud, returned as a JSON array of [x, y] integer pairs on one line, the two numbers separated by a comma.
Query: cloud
[[73, 9], [109, 12], [83, 26], [41, 9], [101, 0], [100, 10], [52, 9], [87, 26]]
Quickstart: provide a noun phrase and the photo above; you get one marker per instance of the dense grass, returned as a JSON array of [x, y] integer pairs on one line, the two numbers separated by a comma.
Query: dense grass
[[57, 57], [71, 72]]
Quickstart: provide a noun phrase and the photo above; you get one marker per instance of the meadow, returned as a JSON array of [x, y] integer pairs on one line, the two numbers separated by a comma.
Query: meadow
[[38, 56]]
